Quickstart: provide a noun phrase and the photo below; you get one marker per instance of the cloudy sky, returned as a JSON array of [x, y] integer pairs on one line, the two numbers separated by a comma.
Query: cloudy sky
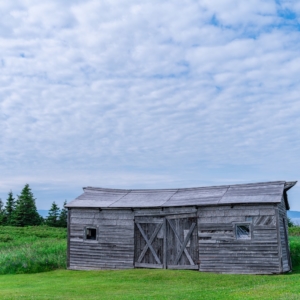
[[148, 94]]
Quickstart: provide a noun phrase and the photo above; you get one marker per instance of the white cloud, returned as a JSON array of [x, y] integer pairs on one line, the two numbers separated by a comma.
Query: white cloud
[[154, 94]]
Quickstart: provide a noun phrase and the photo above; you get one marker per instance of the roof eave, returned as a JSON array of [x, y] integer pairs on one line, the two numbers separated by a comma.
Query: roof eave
[[289, 185]]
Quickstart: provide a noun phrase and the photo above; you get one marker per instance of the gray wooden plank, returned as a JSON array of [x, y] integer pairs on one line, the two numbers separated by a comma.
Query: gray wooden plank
[[148, 266], [165, 245]]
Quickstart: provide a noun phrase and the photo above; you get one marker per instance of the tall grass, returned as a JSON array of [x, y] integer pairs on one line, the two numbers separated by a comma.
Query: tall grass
[[32, 249]]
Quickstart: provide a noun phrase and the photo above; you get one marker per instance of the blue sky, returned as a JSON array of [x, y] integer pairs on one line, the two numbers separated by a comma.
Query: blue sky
[[148, 94]]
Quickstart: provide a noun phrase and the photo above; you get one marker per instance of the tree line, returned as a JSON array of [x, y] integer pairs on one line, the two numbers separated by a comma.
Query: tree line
[[23, 212]]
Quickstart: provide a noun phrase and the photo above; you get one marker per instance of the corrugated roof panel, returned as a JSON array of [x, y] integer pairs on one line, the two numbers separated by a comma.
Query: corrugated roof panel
[[194, 201], [267, 189], [250, 199], [97, 198], [198, 196], [87, 203], [254, 193], [144, 199]]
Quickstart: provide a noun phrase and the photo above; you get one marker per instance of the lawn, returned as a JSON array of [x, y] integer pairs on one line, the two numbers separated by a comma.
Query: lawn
[[148, 284], [37, 249]]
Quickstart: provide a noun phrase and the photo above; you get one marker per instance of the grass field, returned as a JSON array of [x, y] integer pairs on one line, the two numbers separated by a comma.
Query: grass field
[[148, 284], [37, 249]]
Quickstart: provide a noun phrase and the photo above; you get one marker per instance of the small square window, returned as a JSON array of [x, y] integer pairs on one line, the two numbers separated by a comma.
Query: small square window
[[243, 232], [91, 233]]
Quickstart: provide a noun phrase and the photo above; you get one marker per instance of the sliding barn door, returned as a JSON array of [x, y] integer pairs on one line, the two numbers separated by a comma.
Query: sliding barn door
[[149, 242], [166, 242], [182, 242]]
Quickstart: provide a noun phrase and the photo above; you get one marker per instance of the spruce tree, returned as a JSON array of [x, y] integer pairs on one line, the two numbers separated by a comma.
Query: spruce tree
[[63, 217], [2, 213], [10, 209], [53, 215], [26, 213]]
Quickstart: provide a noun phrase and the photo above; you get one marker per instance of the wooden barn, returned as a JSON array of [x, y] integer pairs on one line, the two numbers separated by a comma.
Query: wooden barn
[[227, 229]]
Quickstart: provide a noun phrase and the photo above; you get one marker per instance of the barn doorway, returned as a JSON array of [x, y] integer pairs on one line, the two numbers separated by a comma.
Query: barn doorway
[[166, 242]]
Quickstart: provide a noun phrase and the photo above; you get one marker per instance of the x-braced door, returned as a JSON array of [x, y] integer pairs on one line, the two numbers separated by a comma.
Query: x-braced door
[[182, 242], [149, 242], [166, 242]]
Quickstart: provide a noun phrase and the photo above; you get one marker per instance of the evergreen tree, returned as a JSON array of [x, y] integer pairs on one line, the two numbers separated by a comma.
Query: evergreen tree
[[53, 215], [25, 212], [2, 213], [290, 222], [63, 217], [10, 209]]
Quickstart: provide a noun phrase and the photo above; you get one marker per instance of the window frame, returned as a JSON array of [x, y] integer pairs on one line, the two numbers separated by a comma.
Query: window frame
[[249, 224], [85, 233]]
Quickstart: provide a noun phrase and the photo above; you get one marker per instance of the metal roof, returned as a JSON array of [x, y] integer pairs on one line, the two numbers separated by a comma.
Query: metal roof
[[263, 192]]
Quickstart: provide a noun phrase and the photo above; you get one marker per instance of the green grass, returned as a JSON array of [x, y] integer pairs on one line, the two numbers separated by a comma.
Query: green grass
[[37, 249], [32, 249], [148, 284]]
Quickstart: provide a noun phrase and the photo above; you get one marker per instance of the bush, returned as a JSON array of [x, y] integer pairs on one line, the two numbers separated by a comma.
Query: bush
[[295, 251], [294, 231]]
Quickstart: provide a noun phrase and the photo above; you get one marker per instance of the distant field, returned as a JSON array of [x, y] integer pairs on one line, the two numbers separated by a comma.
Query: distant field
[[39, 249]]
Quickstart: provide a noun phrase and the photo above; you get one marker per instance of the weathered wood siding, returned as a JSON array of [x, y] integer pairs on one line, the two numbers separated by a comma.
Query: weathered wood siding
[[284, 243], [220, 251], [114, 247]]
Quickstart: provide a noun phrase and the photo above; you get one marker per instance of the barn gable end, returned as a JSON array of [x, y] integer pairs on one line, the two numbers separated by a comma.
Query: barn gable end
[[226, 229]]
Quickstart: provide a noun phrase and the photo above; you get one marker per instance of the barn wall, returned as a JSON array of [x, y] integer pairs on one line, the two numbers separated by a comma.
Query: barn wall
[[114, 247], [283, 226], [220, 251]]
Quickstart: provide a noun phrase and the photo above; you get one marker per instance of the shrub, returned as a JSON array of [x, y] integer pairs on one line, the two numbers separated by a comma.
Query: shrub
[[294, 231], [295, 251]]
